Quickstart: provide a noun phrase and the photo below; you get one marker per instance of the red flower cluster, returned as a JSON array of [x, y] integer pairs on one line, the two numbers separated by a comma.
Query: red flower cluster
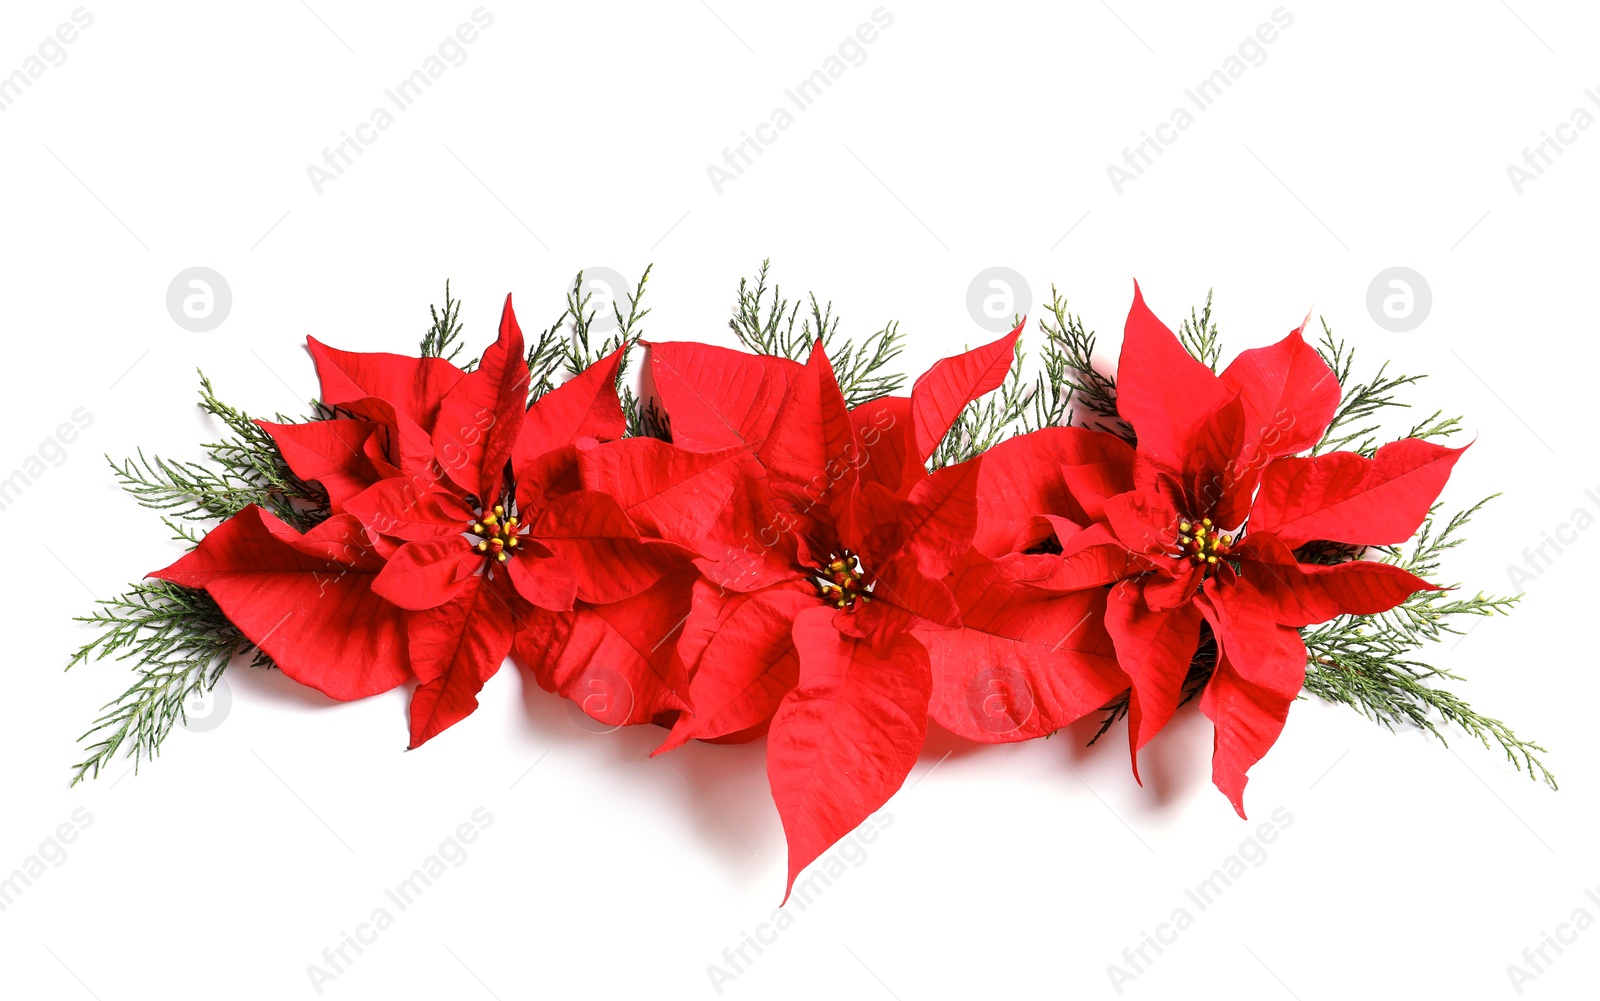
[[465, 528], [1099, 565], [787, 566]]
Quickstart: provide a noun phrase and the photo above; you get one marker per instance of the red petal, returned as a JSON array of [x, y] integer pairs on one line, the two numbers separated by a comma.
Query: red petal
[[846, 737], [1024, 663], [878, 525], [543, 478], [406, 444], [902, 598], [1216, 483], [548, 582], [455, 648], [1303, 594], [481, 417], [1144, 521], [668, 492], [1161, 390], [1248, 720], [934, 525], [332, 452], [883, 427], [1044, 529], [423, 575], [942, 392], [618, 661], [704, 502], [295, 596], [716, 397], [1054, 471], [1164, 593], [1261, 667], [377, 452], [1093, 481], [584, 406], [811, 454], [740, 648], [413, 386], [1090, 557], [753, 544], [1343, 497], [603, 546], [943, 516], [1154, 649], [413, 508], [1290, 395]]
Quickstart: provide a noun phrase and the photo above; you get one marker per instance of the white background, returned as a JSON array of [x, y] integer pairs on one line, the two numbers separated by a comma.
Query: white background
[[1374, 135]]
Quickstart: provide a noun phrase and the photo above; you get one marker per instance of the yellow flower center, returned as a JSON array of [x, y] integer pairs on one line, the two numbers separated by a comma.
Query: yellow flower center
[[842, 582], [494, 534], [1201, 543]]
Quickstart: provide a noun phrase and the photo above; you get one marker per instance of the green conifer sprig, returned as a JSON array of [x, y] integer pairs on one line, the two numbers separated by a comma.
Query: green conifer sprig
[[1368, 662], [547, 357], [1068, 390], [987, 421], [179, 642], [1199, 335], [241, 468], [567, 350], [1072, 389], [767, 326], [441, 340], [177, 639], [1361, 409]]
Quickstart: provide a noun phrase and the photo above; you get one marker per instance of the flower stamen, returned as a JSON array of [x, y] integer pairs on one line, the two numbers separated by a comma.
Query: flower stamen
[[1202, 543], [494, 533], [842, 582]]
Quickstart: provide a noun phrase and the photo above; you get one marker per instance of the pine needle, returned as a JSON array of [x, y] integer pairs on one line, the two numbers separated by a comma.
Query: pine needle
[[179, 642], [767, 326]]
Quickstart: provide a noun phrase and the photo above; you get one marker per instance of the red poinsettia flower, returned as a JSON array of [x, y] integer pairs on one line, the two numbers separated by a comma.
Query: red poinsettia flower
[[1209, 510], [502, 546], [296, 597], [836, 548], [1032, 653], [463, 530], [392, 402]]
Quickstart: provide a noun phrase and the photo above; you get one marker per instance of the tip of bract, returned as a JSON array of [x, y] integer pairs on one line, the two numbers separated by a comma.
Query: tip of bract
[[1301, 330], [508, 320]]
